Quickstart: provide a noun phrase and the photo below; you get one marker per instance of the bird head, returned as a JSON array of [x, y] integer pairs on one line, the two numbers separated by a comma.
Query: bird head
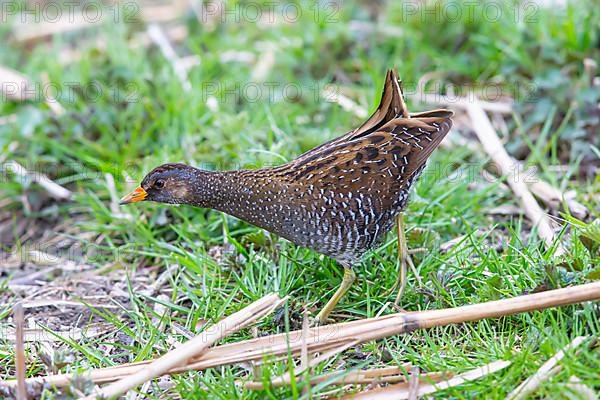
[[168, 183]]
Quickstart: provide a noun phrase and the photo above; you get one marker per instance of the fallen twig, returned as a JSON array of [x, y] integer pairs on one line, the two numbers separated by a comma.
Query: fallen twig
[[494, 148], [583, 391], [116, 211], [63, 303], [285, 379], [19, 320], [502, 107], [423, 387], [191, 348], [388, 375], [325, 338], [549, 368], [543, 190], [8, 119], [330, 93], [31, 33], [413, 384], [161, 312], [28, 33], [16, 86], [164, 12], [19, 87], [160, 280], [158, 36], [54, 189], [52, 103], [265, 63], [67, 56], [553, 196]]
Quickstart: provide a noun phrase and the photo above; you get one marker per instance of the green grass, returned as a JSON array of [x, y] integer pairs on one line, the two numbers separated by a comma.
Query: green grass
[[162, 123]]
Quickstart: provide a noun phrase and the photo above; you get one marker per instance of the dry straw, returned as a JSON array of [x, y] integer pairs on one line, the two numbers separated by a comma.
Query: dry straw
[[329, 339]]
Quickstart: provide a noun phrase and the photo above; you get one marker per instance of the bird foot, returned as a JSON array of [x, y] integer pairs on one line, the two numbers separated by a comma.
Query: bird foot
[[319, 320]]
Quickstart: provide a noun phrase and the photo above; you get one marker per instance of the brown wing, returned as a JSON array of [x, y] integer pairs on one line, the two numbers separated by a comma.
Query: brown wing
[[379, 158], [380, 165], [390, 107]]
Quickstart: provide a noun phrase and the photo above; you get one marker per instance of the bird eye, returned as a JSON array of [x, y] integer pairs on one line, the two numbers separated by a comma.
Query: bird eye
[[159, 184]]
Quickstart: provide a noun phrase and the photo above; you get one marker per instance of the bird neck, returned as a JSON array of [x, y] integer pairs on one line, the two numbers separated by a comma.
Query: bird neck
[[225, 191]]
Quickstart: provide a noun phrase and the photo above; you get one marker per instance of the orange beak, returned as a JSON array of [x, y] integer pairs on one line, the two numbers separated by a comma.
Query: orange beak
[[138, 194]]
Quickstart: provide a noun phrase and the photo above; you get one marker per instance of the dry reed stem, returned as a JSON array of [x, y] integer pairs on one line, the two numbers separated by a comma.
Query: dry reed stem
[[304, 361], [68, 56], [191, 348], [52, 103], [158, 36], [54, 189], [331, 94], [539, 187], [494, 148], [16, 86], [163, 13], [461, 102], [34, 32], [285, 379], [550, 194], [31, 33], [19, 319], [580, 389], [266, 62], [56, 302], [452, 99], [548, 369], [160, 280], [8, 119], [405, 390], [117, 212], [343, 377], [324, 338], [413, 384]]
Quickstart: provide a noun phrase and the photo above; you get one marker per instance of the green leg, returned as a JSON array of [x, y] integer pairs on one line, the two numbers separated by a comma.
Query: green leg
[[405, 260], [403, 256], [349, 277]]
